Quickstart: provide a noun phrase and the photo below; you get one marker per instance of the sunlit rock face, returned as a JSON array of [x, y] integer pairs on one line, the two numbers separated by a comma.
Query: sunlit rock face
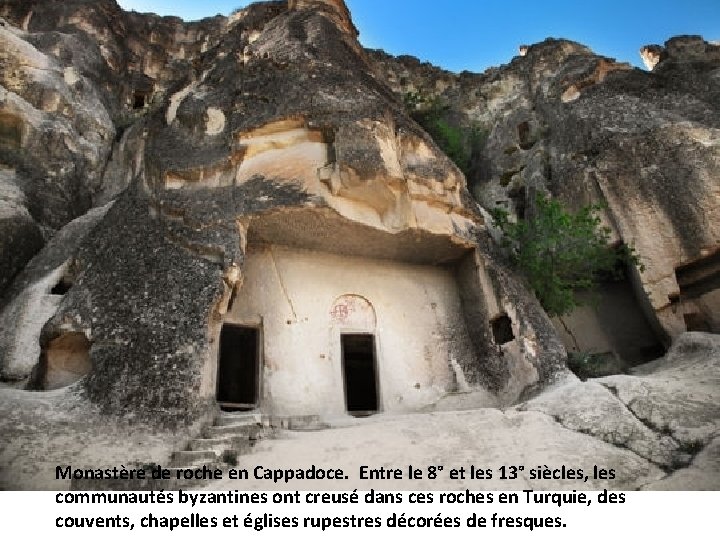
[[252, 159], [681, 49], [74, 78], [335, 8], [565, 121], [651, 55]]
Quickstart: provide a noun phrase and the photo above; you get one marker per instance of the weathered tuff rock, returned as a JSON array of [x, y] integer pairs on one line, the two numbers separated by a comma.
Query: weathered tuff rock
[[681, 49], [260, 162], [231, 137], [36, 294], [562, 120], [666, 411], [73, 77]]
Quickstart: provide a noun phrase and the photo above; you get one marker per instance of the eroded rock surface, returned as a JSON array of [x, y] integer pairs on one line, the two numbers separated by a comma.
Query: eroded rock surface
[[267, 127], [560, 119], [221, 139], [36, 295], [43, 430], [74, 76], [666, 411]]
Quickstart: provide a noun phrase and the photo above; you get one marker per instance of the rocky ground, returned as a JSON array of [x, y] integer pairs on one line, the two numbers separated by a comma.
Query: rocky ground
[[659, 428], [41, 430]]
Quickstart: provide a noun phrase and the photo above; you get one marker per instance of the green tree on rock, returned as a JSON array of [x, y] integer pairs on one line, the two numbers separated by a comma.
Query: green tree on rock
[[561, 252]]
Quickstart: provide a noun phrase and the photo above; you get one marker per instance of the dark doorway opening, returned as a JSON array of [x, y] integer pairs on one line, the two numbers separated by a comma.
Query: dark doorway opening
[[238, 367], [523, 130], [359, 371], [502, 329], [138, 100]]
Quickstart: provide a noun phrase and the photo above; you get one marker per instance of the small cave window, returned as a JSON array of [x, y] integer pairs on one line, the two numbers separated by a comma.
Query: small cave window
[[61, 287], [523, 131], [139, 100], [10, 129], [328, 137], [502, 329]]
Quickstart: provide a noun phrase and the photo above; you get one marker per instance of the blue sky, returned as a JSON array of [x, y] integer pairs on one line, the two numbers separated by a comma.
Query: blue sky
[[477, 34]]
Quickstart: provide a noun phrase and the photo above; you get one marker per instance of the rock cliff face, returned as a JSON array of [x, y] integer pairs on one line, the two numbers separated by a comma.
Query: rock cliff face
[[75, 76], [275, 127], [265, 128], [563, 120], [166, 184]]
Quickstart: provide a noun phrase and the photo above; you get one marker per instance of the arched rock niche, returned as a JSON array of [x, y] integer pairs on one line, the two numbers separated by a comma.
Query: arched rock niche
[[353, 313], [65, 360]]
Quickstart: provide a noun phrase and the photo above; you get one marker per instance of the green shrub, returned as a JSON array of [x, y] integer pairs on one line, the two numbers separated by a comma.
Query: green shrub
[[450, 139], [561, 252], [456, 142]]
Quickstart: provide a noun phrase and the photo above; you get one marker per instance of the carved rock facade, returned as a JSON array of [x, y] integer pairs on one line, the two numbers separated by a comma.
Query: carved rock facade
[[270, 186]]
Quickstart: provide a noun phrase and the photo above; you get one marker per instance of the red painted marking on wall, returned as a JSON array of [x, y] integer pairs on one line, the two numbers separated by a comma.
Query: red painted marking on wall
[[340, 312]]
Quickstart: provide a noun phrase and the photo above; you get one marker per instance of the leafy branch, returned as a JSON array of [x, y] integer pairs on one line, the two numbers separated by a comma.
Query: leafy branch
[[561, 252], [458, 143]]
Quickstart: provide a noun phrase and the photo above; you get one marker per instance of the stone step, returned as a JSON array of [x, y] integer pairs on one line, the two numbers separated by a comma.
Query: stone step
[[193, 458], [249, 431], [212, 445], [310, 422], [240, 444], [246, 419]]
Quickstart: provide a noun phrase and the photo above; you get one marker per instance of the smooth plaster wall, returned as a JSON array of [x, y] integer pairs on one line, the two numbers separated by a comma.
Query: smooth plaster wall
[[293, 295]]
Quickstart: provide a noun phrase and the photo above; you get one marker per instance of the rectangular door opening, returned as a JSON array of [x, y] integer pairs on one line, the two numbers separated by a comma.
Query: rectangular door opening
[[239, 367], [359, 372]]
